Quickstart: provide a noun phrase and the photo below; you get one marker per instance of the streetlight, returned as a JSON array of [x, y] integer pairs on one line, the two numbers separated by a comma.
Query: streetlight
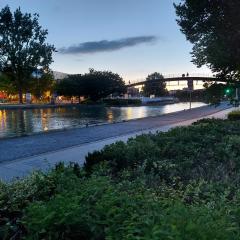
[[37, 74]]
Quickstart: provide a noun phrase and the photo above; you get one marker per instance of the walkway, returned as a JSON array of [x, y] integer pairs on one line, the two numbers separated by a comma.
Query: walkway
[[20, 156]]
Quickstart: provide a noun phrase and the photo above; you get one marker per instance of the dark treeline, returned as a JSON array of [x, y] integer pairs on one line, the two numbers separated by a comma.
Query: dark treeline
[[94, 85]]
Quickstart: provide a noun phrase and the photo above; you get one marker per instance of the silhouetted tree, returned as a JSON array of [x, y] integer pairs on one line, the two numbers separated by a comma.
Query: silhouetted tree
[[94, 85], [213, 28], [155, 85], [6, 84], [38, 86], [22, 48]]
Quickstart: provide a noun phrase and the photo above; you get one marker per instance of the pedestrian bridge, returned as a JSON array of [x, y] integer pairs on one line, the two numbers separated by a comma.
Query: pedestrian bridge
[[178, 78]]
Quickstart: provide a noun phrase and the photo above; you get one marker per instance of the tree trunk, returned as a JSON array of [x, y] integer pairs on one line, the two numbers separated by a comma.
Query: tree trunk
[[20, 96]]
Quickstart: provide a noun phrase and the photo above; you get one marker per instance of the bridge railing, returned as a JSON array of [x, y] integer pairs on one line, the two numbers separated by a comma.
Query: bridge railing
[[175, 75]]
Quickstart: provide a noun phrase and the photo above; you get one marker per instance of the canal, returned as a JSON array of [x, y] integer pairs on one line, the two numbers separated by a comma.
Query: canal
[[21, 122]]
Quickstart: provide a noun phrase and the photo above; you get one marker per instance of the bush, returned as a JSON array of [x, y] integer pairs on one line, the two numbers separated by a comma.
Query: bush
[[101, 209], [209, 150], [17, 196], [182, 184], [234, 115]]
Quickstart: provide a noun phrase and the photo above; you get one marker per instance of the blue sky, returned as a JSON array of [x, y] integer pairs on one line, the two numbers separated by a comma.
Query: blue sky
[[130, 37]]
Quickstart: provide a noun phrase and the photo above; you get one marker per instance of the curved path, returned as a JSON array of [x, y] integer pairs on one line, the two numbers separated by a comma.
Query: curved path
[[19, 156], [21, 147]]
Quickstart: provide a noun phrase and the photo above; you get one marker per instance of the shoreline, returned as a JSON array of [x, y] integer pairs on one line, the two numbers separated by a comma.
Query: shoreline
[[94, 125], [21, 165], [23, 147], [69, 105]]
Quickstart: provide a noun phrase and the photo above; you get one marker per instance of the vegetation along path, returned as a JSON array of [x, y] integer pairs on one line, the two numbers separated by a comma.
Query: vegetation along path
[[27, 153]]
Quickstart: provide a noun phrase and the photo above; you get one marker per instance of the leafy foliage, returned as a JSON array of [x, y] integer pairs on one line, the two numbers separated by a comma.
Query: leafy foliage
[[214, 92], [102, 209], [234, 115], [155, 85], [6, 84], [212, 26], [198, 95], [22, 47], [41, 85], [180, 153], [183, 184], [94, 85]]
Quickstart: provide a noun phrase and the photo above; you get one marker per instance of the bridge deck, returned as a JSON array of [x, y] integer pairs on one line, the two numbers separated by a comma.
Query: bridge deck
[[176, 79]]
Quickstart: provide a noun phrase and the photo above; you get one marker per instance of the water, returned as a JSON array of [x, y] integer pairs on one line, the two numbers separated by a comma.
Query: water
[[22, 122]]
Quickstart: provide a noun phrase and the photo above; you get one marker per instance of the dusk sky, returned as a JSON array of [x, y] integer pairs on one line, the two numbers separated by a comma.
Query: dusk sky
[[131, 37]]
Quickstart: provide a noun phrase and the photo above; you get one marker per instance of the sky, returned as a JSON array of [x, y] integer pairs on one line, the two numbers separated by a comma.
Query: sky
[[131, 37]]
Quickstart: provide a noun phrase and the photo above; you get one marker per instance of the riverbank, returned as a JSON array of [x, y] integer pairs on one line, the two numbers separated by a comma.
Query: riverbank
[[71, 105], [19, 156], [35, 106], [25, 122]]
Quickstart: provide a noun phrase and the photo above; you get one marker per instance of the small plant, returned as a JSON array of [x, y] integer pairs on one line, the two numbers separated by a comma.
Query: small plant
[[234, 115]]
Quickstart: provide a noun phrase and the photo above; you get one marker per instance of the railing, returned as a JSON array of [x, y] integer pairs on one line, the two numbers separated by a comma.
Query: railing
[[166, 76]]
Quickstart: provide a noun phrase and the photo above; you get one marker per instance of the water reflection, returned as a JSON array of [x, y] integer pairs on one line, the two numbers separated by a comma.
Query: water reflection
[[22, 122]]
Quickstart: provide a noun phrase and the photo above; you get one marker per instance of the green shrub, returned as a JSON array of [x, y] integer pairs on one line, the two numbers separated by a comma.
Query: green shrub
[[182, 184], [234, 115], [16, 196], [208, 150], [102, 209]]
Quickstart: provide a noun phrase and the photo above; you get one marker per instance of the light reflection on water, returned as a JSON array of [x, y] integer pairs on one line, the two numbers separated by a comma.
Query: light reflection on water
[[27, 121]]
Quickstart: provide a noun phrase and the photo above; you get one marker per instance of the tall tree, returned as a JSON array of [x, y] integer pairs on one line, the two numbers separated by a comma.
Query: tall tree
[[100, 84], [155, 85], [72, 85], [94, 85], [213, 29], [6, 84], [22, 48], [40, 85]]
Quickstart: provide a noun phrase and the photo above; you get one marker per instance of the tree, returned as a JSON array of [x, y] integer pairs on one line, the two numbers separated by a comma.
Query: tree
[[73, 85], [213, 29], [6, 84], [39, 86], [22, 48], [94, 85], [100, 84], [155, 85], [214, 92]]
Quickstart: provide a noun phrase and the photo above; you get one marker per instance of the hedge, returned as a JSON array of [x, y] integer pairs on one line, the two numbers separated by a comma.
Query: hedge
[[234, 115], [183, 184]]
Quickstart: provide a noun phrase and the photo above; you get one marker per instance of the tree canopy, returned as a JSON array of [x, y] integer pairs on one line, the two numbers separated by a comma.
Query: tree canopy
[[94, 85], [39, 86], [152, 87], [23, 48], [213, 29]]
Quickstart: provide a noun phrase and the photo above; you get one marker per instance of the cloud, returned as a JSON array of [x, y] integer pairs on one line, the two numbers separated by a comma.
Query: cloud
[[106, 46]]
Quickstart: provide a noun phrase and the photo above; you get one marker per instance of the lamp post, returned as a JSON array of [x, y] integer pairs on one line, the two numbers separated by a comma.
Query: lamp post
[[37, 74], [190, 89], [190, 100]]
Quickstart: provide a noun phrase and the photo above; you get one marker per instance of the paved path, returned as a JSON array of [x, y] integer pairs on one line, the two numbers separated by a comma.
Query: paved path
[[19, 156]]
